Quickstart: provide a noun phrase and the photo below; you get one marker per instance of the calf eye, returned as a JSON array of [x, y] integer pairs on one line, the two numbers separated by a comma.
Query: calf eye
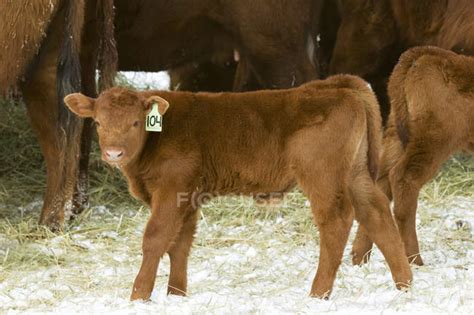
[[135, 124]]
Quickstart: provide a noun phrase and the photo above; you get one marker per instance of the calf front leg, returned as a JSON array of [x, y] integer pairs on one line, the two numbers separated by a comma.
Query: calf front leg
[[179, 253], [162, 229]]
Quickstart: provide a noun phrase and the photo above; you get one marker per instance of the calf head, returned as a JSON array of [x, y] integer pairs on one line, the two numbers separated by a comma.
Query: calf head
[[120, 116]]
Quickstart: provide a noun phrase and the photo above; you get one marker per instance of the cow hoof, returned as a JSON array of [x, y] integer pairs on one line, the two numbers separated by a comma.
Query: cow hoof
[[52, 224]]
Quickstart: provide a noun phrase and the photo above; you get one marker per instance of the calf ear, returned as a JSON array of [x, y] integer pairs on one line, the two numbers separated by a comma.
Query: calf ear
[[80, 104], [163, 104]]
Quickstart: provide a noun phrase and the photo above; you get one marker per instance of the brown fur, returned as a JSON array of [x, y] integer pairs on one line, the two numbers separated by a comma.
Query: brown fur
[[432, 118], [42, 44], [323, 136], [23, 26], [373, 34], [271, 36], [108, 59], [215, 75]]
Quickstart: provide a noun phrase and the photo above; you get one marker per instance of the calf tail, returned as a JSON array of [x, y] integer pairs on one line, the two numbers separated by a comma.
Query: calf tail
[[374, 132], [373, 118], [396, 88]]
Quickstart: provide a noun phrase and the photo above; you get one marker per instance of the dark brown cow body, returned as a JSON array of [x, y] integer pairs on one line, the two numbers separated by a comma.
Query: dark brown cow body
[[323, 136], [153, 35], [432, 95], [373, 34], [215, 75], [272, 37], [42, 47]]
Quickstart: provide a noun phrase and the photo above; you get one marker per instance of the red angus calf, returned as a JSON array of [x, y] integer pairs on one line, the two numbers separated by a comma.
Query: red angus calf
[[432, 118], [323, 136]]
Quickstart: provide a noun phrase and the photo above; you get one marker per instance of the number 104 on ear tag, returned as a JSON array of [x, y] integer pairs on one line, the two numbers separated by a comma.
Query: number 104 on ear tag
[[154, 120]]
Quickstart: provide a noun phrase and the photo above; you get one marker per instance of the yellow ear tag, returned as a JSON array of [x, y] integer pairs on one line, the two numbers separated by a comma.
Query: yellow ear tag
[[154, 120]]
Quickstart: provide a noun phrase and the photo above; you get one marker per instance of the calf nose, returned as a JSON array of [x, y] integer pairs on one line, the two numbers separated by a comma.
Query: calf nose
[[114, 155]]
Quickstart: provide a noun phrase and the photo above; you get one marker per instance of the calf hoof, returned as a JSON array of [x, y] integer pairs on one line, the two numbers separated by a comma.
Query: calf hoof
[[320, 290], [320, 295], [176, 291], [140, 294], [416, 260], [403, 282], [360, 257], [403, 286], [361, 249]]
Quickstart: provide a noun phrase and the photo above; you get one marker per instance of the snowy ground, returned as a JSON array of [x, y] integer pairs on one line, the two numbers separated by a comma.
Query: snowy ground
[[245, 269]]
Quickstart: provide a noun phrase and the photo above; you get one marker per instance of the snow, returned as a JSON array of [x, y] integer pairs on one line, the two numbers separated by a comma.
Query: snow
[[265, 275], [147, 80]]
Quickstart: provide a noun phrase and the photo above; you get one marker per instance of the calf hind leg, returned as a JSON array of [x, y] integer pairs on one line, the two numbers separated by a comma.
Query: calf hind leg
[[391, 154], [373, 213], [407, 178], [333, 216], [334, 221]]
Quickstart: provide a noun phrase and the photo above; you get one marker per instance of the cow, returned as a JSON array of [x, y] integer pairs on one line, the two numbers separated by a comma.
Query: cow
[[432, 117], [43, 46], [276, 39], [323, 136], [214, 75], [216, 45], [373, 34], [275, 44]]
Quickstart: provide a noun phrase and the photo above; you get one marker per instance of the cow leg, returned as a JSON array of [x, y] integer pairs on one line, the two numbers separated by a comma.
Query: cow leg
[[80, 198], [58, 131], [162, 229], [416, 167], [244, 80], [179, 253], [392, 152], [373, 213], [88, 57]]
